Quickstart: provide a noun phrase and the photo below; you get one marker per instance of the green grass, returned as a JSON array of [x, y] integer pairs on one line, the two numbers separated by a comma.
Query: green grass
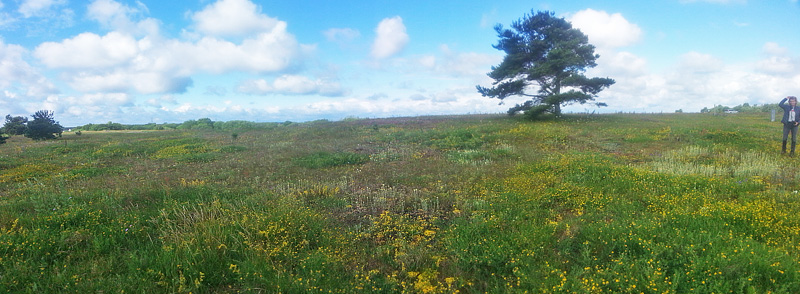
[[628, 203]]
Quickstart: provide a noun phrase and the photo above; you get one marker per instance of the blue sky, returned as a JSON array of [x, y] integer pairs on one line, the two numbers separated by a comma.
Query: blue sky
[[170, 61]]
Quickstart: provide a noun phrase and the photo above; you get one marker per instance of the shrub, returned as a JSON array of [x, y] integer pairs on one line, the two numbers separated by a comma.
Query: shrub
[[43, 126]]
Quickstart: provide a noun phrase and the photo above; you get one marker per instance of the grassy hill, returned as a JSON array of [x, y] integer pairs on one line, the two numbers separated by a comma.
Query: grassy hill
[[670, 203]]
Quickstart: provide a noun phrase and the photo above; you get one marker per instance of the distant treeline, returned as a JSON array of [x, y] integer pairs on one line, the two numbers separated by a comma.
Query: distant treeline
[[200, 124], [208, 124], [746, 107]]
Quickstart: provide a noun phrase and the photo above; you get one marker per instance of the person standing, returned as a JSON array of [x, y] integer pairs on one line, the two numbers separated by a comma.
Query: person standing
[[791, 119]]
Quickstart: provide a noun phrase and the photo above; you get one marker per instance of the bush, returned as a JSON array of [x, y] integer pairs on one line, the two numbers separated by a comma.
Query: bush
[[43, 126], [15, 125]]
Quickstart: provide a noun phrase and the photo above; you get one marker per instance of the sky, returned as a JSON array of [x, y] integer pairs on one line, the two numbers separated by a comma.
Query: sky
[[147, 61]]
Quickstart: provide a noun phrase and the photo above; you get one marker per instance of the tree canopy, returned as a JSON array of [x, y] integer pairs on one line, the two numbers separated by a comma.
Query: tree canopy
[[15, 125], [43, 126], [545, 51]]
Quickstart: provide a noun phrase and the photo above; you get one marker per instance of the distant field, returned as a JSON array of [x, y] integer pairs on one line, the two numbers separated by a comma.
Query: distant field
[[622, 203]]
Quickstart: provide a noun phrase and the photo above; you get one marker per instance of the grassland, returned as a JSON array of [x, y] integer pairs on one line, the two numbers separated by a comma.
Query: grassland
[[672, 203]]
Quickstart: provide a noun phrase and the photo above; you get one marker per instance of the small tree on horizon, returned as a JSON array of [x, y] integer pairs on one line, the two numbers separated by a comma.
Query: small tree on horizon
[[545, 51], [43, 126], [15, 125]]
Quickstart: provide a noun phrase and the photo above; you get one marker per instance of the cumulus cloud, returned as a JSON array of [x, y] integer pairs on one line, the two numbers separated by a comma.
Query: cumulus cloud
[[606, 31], [108, 12], [71, 110], [622, 64], [701, 80], [93, 51], [30, 8], [777, 60], [6, 19], [120, 17], [391, 38], [292, 85], [233, 18], [773, 48], [609, 33], [144, 82], [266, 52], [158, 102], [697, 80], [459, 64], [18, 77], [459, 100], [121, 62], [12, 67], [695, 62], [777, 65]]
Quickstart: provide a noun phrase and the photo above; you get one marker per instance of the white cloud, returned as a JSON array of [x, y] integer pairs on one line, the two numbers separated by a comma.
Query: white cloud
[[93, 107], [391, 38], [30, 8], [773, 48], [701, 80], [145, 82], [777, 65], [18, 77], [12, 67], [777, 60], [107, 12], [621, 64], [606, 31], [88, 50], [697, 80], [695, 62], [158, 102], [118, 62], [233, 18], [460, 100], [266, 52], [6, 19], [459, 64], [609, 33], [119, 17], [291, 84], [122, 62]]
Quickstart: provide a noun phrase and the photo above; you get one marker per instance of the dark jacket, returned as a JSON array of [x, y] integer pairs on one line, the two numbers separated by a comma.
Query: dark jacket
[[786, 108]]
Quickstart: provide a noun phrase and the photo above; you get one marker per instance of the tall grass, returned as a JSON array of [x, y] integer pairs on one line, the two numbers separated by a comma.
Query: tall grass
[[631, 203], [703, 161]]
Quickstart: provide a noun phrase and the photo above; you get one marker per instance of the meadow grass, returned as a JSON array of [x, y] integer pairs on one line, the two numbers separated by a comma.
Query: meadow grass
[[630, 203]]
